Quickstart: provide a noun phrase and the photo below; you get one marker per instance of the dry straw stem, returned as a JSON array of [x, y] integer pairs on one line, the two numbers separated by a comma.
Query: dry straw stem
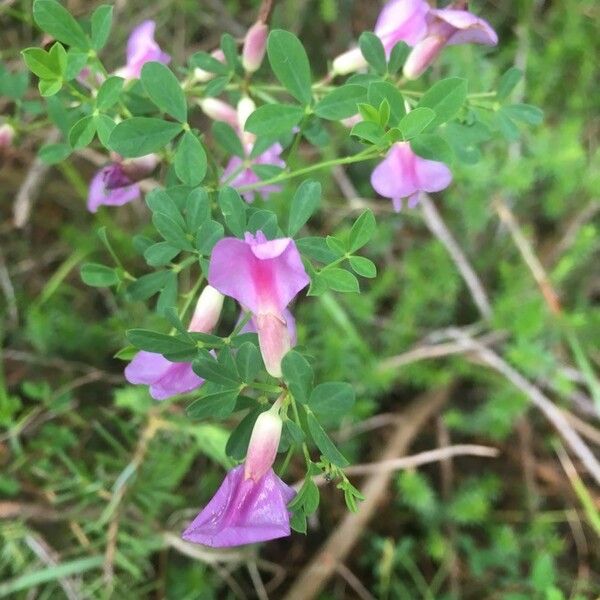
[[336, 548]]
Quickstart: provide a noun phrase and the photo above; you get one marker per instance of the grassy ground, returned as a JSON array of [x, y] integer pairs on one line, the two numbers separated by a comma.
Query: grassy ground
[[97, 481]]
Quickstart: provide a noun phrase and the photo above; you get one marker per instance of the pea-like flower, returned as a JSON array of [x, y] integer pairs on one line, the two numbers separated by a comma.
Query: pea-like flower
[[142, 48], [264, 276], [165, 378], [251, 504], [404, 174]]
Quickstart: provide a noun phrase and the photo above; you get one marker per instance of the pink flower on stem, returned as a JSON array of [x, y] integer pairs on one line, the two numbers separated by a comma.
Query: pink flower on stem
[[255, 45], [165, 378], [251, 504], [142, 48], [264, 276], [404, 174], [115, 184]]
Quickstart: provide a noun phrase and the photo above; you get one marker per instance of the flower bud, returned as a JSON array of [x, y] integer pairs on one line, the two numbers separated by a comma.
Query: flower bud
[[245, 108], [202, 76], [422, 55], [349, 62], [255, 44], [274, 341], [264, 442], [139, 168], [7, 134], [207, 311], [219, 111]]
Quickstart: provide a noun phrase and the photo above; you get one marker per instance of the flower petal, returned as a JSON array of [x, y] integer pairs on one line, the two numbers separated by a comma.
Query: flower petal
[[394, 177], [142, 48], [146, 368], [471, 29], [99, 195], [402, 20], [178, 379], [432, 176]]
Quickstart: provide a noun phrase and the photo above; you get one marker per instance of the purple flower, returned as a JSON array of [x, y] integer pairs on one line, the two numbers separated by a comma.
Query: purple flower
[[403, 174], [446, 27], [165, 378], [142, 48], [264, 277], [251, 504], [243, 511], [115, 184], [238, 172]]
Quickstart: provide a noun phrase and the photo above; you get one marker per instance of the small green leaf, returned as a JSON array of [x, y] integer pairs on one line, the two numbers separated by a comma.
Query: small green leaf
[[206, 62], [332, 399], [362, 230], [208, 235], [82, 133], [49, 87], [432, 147], [171, 231], [398, 56], [316, 248], [160, 254], [507, 82], [197, 209], [249, 361], [109, 92], [363, 266], [306, 200], [152, 341], [53, 18], [525, 113], [40, 63], [369, 131], [384, 90], [290, 64], [97, 275], [104, 128], [237, 444], [190, 160], [415, 122], [233, 209], [208, 368], [274, 120], [164, 90], [298, 375], [101, 22], [139, 136], [52, 154], [217, 404], [341, 102], [227, 138], [146, 286], [266, 221], [373, 51], [76, 61], [324, 444], [340, 280], [445, 98]]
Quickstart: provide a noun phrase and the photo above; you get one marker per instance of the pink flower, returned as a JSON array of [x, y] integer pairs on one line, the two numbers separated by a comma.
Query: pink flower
[[115, 184], [142, 48], [165, 378], [255, 44], [403, 174], [7, 134], [264, 276], [219, 111], [251, 504]]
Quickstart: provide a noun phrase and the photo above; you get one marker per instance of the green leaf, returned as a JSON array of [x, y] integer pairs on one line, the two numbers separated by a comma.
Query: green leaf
[[211, 370], [76, 61], [52, 154], [146, 286], [306, 200], [274, 120], [324, 444], [233, 209], [507, 82], [384, 90], [373, 51], [153, 341], [369, 131], [206, 62], [445, 98], [336, 245], [316, 248], [160, 254], [298, 375], [164, 90], [341, 103], [363, 266], [229, 47], [398, 57], [332, 399], [104, 128], [208, 235], [197, 209], [53, 18], [49, 87], [237, 444], [139, 136], [415, 122], [40, 63], [82, 133], [266, 221], [190, 160], [227, 138], [290, 64], [109, 92], [298, 522], [432, 147], [340, 280], [217, 404], [248, 361], [362, 230], [101, 22], [525, 113], [97, 275], [171, 231]]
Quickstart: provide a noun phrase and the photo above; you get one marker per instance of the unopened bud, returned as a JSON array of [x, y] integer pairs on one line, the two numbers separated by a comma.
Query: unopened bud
[[139, 168], [274, 341], [255, 44], [207, 311], [202, 76], [349, 62], [245, 108], [219, 111], [422, 55], [264, 442], [7, 134]]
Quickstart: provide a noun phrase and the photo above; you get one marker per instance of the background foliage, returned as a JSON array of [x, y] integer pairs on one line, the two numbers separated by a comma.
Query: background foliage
[[97, 481]]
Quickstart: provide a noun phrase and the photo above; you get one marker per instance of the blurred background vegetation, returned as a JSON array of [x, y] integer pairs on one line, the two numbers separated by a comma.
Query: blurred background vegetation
[[97, 481]]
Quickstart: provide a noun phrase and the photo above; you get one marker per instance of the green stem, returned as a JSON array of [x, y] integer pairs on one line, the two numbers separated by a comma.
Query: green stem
[[297, 419]]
